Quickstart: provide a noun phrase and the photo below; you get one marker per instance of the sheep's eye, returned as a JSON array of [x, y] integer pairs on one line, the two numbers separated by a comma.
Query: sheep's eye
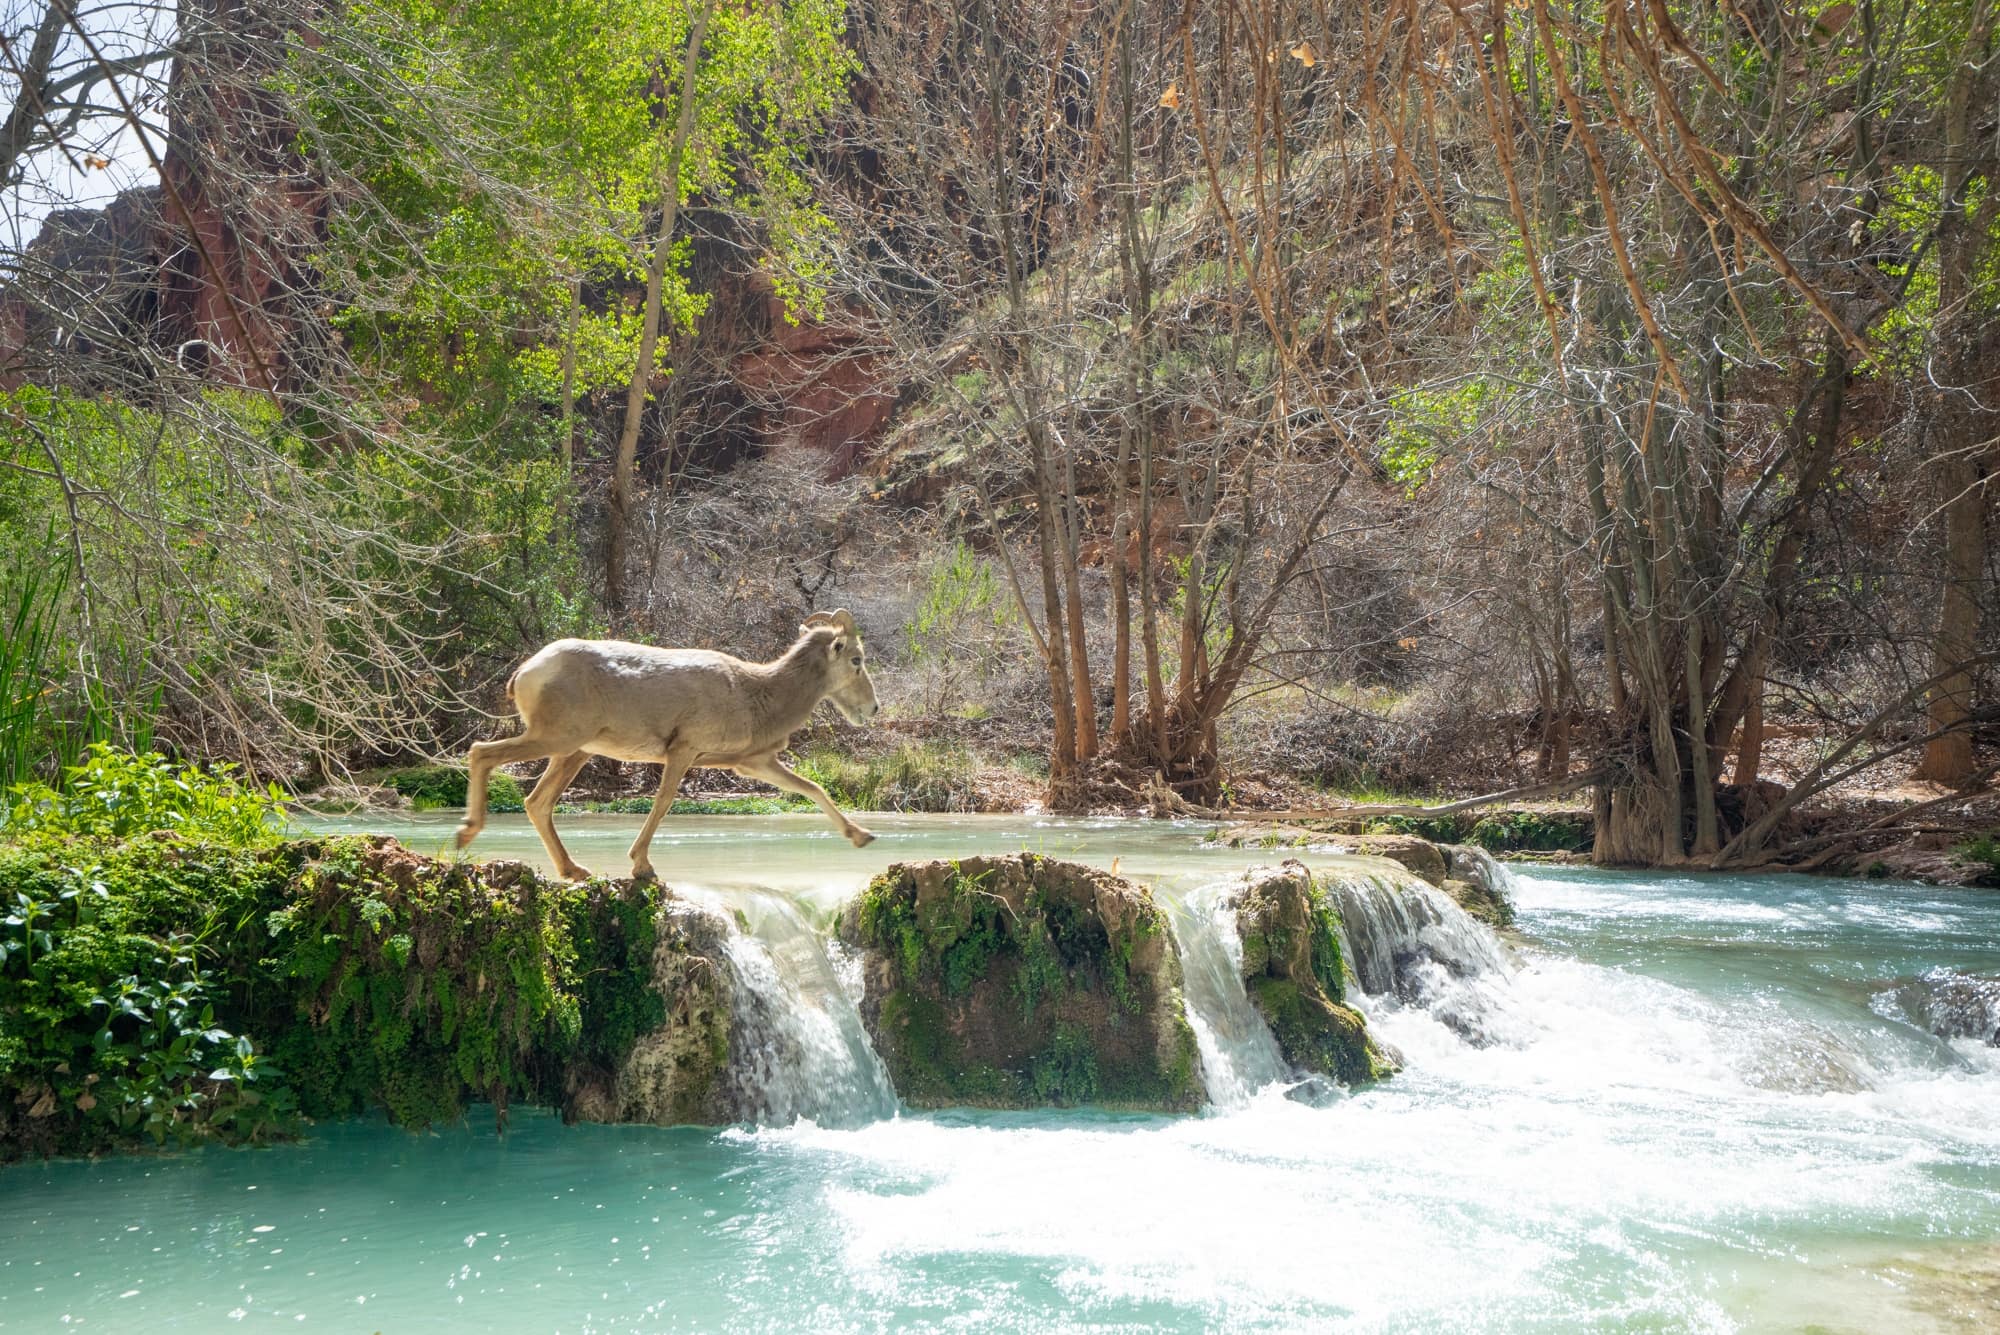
[[857, 662]]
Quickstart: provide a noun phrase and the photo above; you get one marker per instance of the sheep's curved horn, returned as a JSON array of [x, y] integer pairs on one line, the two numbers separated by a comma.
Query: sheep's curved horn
[[839, 617]]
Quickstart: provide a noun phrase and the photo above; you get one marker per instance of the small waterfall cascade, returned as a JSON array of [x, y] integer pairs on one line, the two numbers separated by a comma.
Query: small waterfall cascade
[[1238, 1054], [798, 1049], [1406, 941], [1470, 862]]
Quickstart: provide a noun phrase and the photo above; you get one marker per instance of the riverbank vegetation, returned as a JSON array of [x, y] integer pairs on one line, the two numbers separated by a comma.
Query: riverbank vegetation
[[174, 969], [1200, 407]]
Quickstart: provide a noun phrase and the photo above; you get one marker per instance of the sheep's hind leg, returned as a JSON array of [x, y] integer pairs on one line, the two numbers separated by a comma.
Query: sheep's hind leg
[[671, 772], [541, 805], [772, 772], [479, 763]]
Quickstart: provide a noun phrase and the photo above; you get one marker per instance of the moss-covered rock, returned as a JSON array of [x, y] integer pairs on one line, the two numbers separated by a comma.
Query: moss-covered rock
[[673, 1072], [1293, 971], [328, 977], [1021, 981]]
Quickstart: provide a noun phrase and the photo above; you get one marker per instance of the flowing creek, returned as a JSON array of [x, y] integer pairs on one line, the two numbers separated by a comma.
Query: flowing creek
[[1687, 1103]]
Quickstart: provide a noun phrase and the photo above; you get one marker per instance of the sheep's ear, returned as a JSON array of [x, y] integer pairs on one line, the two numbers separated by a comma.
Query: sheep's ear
[[836, 648]]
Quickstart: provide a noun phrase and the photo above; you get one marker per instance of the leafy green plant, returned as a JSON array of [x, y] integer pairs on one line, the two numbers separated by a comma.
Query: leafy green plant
[[117, 794], [113, 1035]]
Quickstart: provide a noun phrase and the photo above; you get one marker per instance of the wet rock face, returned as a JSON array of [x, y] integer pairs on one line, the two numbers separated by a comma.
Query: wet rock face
[[677, 1073], [1293, 972], [1477, 884], [1020, 982]]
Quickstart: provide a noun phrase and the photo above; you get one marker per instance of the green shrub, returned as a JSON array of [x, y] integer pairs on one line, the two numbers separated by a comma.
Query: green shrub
[[438, 787], [1437, 829], [1531, 832], [1984, 850], [116, 794]]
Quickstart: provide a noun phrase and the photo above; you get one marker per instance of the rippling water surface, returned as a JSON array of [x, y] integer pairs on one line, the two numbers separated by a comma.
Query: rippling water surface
[[1691, 1103]]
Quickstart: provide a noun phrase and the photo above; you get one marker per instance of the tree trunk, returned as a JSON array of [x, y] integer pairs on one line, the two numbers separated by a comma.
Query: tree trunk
[[1963, 415], [1948, 757], [1083, 691], [623, 466], [1750, 750]]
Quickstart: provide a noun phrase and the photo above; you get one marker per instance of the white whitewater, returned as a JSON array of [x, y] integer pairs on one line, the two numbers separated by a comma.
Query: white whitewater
[[798, 1049], [1238, 1054]]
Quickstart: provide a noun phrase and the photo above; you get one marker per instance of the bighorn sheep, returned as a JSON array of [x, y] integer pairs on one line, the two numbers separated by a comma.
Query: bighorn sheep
[[677, 707]]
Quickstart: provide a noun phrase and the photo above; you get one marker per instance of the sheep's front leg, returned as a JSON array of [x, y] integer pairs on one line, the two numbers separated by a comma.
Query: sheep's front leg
[[670, 783], [772, 772]]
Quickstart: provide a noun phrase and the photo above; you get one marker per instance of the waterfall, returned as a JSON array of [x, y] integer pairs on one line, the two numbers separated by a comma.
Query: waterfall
[[1238, 1054], [797, 1045], [1406, 941]]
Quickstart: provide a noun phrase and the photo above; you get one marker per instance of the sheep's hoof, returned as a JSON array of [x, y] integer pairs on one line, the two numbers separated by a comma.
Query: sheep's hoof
[[645, 873], [575, 873], [467, 833], [859, 837]]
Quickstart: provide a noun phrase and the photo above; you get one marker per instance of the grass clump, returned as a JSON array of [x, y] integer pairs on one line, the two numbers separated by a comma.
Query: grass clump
[[916, 776]]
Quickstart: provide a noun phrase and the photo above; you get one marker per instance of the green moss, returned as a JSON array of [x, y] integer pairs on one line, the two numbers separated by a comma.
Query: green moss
[[932, 1071], [345, 975], [888, 918], [1065, 1071], [1061, 974], [1316, 1034], [1328, 968]]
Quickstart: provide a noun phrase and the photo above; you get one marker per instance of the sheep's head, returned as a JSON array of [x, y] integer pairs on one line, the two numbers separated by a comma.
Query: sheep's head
[[847, 681]]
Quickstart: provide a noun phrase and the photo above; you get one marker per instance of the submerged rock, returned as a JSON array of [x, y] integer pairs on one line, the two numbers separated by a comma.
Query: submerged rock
[[1020, 981], [1952, 1005], [1294, 974]]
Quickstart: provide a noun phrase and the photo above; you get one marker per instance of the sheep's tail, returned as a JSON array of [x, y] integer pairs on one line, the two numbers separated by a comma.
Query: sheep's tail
[[510, 685]]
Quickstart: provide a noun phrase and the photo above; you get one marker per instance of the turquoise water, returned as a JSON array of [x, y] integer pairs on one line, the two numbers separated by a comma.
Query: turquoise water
[[1690, 1104]]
